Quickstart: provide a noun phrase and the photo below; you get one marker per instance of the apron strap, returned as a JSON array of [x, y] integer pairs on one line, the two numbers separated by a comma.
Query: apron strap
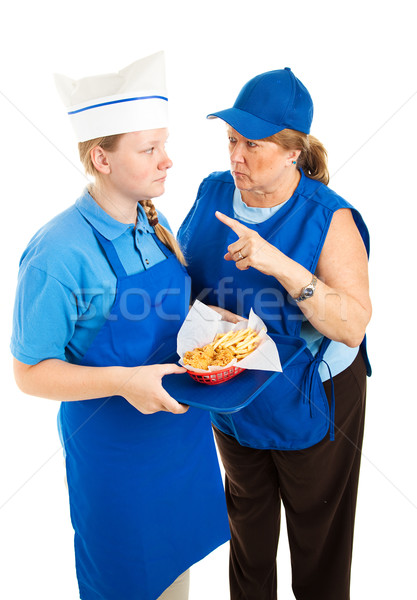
[[325, 343], [323, 347], [112, 256], [110, 252], [332, 404], [311, 373], [161, 246]]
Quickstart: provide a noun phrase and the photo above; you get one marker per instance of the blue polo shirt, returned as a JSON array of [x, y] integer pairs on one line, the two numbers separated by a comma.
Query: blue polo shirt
[[66, 286]]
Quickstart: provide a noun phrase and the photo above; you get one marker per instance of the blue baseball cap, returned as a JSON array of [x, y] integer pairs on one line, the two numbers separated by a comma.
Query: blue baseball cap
[[269, 103]]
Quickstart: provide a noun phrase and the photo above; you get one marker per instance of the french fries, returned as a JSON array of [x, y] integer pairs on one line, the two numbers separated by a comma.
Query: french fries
[[223, 349]]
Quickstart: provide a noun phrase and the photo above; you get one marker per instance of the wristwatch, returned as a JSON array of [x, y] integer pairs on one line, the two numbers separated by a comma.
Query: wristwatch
[[307, 291]]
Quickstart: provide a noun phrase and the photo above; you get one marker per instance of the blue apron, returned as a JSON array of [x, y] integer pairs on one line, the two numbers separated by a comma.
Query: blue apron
[[146, 495], [292, 413]]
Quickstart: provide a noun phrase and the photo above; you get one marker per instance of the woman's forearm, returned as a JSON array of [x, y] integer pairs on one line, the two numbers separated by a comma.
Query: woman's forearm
[[334, 313], [59, 380], [141, 386], [340, 307]]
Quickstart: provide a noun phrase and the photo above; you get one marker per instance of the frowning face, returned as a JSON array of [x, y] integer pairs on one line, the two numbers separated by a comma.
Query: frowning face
[[139, 164], [257, 165]]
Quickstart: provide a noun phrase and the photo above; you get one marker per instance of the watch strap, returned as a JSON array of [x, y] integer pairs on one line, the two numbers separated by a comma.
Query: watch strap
[[308, 290]]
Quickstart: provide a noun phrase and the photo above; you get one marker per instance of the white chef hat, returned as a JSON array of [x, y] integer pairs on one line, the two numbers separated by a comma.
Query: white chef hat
[[134, 99]]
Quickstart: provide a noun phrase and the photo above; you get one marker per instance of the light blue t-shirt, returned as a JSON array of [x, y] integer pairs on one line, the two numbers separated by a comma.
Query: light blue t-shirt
[[66, 286], [338, 356]]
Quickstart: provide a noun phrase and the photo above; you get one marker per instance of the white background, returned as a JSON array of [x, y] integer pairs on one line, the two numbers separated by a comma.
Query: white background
[[357, 60]]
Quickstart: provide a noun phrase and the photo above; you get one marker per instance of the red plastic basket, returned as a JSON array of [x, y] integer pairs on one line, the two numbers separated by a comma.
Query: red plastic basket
[[215, 377]]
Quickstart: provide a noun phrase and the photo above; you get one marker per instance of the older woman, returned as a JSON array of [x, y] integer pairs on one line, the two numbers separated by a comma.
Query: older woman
[[291, 248]]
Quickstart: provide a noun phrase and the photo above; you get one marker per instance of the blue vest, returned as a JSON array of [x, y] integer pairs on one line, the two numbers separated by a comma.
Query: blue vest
[[293, 412]]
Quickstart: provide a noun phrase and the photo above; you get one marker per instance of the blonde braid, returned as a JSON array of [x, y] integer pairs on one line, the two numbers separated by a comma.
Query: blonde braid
[[150, 211], [163, 234]]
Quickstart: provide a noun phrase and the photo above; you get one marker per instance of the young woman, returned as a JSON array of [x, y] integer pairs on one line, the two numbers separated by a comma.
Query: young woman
[[102, 293]]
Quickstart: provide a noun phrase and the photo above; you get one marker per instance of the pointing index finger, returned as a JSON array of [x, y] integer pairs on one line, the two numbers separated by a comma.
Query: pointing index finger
[[237, 227]]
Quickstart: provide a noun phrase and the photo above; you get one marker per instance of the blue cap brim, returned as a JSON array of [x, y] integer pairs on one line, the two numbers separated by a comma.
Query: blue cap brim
[[246, 124]]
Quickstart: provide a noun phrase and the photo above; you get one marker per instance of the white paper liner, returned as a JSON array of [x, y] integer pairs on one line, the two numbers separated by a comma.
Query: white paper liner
[[203, 324]]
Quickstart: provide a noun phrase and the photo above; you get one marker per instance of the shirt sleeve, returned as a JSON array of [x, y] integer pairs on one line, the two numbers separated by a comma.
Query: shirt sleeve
[[45, 314]]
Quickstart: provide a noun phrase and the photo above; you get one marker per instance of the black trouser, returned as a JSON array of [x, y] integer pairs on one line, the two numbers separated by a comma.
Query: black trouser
[[318, 488]]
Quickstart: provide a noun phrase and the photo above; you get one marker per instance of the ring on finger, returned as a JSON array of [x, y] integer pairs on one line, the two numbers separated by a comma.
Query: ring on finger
[[240, 255]]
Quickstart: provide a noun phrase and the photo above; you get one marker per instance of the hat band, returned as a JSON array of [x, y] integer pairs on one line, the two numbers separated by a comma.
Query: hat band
[[74, 112], [119, 115]]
